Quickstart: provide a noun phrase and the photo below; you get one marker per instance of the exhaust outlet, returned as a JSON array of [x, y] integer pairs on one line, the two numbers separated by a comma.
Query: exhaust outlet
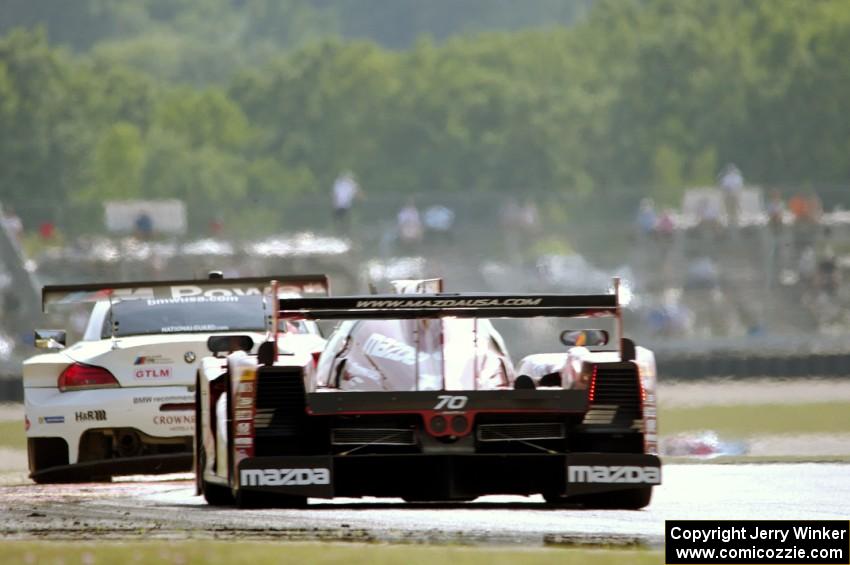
[[128, 443]]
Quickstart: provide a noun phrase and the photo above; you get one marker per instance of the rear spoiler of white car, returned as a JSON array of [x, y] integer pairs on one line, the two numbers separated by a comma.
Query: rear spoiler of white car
[[146, 290]]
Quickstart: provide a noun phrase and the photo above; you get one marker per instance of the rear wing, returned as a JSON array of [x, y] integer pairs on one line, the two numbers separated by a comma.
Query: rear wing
[[147, 290], [598, 311], [396, 307]]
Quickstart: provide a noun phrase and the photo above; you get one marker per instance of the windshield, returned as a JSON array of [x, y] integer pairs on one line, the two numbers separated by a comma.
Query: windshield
[[195, 314]]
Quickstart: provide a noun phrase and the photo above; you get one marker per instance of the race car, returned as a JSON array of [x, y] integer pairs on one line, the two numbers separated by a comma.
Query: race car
[[121, 400], [416, 397]]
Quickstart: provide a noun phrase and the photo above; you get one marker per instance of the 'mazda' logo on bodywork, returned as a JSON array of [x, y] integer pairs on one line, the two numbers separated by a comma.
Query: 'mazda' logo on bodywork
[[285, 477], [614, 474]]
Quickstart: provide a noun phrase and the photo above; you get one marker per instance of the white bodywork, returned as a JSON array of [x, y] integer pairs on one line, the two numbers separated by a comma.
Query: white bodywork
[[152, 371]]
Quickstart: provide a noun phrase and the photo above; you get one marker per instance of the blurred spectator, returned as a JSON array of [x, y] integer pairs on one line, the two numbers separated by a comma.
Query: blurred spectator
[[775, 210], [345, 192], [47, 231], [671, 317], [806, 208], [732, 185], [664, 227], [646, 218], [709, 217], [807, 266], [439, 222], [144, 226], [409, 224], [13, 223]]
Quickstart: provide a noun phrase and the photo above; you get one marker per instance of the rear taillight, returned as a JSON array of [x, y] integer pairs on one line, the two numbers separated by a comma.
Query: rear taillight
[[316, 356], [79, 377], [591, 392]]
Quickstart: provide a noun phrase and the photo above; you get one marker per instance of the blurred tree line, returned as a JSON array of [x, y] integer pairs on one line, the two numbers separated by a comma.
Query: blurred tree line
[[250, 103]]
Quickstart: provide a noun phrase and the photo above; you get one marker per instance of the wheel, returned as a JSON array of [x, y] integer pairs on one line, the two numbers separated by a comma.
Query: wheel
[[217, 495], [214, 494], [631, 499]]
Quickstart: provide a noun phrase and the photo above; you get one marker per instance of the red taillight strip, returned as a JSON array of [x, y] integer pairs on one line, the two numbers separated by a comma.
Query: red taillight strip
[[591, 391], [648, 417]]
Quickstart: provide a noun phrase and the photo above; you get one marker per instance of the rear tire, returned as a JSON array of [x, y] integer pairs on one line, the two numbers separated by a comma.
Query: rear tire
[[214, 494], [217, 495]]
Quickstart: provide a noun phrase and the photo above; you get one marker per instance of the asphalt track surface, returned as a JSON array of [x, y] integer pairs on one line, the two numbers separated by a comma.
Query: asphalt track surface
[[146, 508]]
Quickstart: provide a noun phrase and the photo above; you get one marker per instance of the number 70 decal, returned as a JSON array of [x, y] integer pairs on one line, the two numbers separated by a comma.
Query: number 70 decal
[[451, 402]]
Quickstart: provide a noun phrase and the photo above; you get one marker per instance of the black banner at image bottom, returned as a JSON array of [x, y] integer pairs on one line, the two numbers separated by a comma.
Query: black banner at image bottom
[[694, 542]]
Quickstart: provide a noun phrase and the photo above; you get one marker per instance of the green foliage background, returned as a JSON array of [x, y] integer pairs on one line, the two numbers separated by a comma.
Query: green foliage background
[[255, 104]]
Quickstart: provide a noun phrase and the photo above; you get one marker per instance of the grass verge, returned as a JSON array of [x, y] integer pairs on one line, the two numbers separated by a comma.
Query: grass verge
[[743, 421], [169, 552]]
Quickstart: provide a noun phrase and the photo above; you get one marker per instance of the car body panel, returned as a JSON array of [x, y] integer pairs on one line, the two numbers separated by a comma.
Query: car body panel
[[152, 401]]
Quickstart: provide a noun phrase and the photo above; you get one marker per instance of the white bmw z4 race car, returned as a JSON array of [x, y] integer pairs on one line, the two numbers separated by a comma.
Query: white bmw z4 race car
[[417, 397], [121, 400]]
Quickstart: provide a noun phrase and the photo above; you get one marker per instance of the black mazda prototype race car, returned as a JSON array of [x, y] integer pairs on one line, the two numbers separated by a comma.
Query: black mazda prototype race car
[[416, 397]]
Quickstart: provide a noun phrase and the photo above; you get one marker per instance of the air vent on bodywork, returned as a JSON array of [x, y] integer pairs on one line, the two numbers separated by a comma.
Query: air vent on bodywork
[[372, 436], [280, 402], [520, 432], [616, 397]]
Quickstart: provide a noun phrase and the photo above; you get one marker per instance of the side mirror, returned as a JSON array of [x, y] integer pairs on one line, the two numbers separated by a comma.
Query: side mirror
[[590, 338], [50, 339], [227, 343]]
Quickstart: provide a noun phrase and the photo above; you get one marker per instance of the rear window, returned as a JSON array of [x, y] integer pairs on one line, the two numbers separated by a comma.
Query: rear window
[[196, 314]]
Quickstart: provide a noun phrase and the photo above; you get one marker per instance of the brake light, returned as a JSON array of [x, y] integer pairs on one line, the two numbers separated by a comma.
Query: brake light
[[591, 392], [80, 377], [316, 356]]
